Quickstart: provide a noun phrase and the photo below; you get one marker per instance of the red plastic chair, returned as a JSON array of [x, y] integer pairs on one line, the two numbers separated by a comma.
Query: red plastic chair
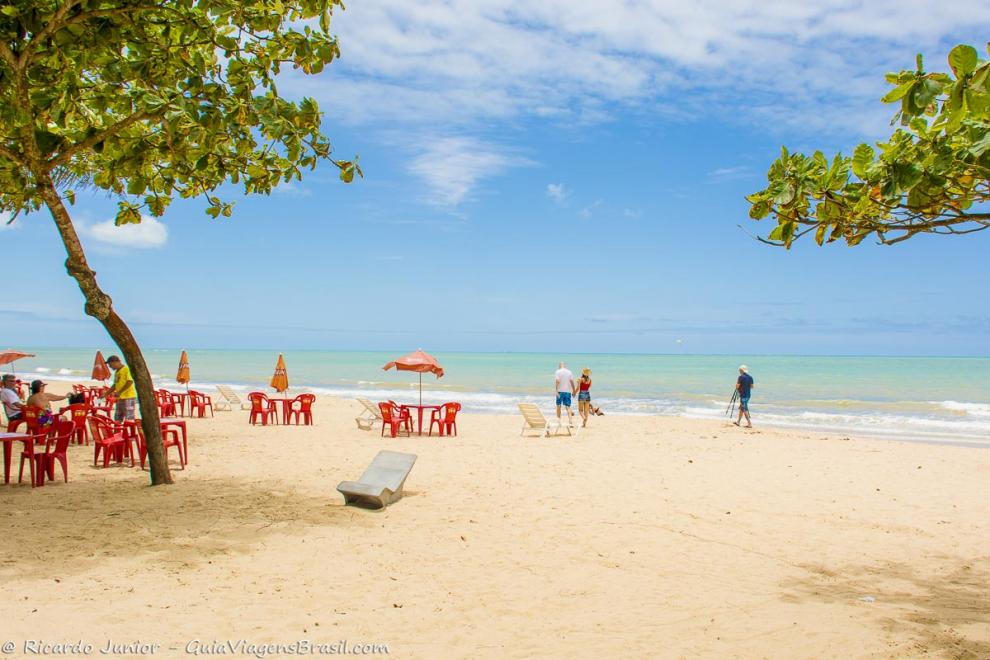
[[163, 398], [261, 406], [445, 418], [170, 438], [78, 412], [395, 418], [198, 403], [108, 437], [30, 417], [55, 451], [34, 459], [305, 409]]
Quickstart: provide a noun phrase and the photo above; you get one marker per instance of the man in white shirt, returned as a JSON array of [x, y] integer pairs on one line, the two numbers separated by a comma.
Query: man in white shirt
[[11, 402], [564, 382]]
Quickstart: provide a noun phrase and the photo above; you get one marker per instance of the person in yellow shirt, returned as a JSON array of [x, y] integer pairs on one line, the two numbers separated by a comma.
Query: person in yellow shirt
[[123, 389]]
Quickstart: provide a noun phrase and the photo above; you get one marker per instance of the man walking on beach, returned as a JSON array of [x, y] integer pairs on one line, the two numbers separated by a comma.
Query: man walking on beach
[[564, 382], [744, 386], [12, 403], [123, 389]]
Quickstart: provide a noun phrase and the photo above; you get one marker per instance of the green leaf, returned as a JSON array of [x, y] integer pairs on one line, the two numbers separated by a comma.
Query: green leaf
[[898, 92], [963, 60], [820, 233], [759, 210], [863, 157]]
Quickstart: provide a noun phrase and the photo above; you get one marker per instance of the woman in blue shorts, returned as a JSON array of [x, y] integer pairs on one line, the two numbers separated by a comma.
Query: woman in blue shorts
[[584, 396]]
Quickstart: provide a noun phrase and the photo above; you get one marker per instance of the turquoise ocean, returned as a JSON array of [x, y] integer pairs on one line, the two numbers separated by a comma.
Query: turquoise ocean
[[935, 399]]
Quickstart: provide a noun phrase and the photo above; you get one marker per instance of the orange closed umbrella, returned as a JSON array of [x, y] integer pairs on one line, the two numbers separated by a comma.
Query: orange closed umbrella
[[182, 376], [280, 380], [100, 369], [417, 361]]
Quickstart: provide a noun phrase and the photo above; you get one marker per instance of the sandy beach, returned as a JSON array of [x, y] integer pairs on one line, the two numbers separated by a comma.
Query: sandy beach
[[639, 537]]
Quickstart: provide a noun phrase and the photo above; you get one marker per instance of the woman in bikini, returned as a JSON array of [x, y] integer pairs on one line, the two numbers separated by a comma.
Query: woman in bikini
[[584, 396]]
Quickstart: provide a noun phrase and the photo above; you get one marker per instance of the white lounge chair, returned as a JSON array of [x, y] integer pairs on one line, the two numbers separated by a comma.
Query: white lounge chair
[[371, 414], [230, 399], [533, 420], [381, 484]]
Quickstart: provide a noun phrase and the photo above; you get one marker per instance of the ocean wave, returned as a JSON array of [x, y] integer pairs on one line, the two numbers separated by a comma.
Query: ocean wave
[[966, 408]]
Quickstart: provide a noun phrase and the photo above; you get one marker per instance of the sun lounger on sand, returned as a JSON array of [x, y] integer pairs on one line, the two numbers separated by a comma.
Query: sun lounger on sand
[[230, 399], [366, 420], [381, 484], [533, 420]]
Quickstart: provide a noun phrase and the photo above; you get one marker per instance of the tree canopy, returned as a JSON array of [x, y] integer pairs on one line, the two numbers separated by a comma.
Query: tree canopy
[[931, 176], [152, 99], [148, 100]]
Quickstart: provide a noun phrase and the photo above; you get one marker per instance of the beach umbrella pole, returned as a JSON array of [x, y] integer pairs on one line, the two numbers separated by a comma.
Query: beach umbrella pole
[[421, 388]]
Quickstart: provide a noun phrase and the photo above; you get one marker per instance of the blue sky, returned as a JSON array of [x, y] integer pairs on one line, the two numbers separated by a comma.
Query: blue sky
[[563, 177]]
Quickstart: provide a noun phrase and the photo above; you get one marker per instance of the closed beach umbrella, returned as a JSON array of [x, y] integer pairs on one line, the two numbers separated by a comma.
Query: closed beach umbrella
[[9, 355], [100, 369], [280, 380], [182, 375], [420, 362]]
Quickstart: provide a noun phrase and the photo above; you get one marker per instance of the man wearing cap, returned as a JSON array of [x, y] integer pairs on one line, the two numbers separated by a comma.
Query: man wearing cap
[[123, 389], [744, 386], [12, 403]]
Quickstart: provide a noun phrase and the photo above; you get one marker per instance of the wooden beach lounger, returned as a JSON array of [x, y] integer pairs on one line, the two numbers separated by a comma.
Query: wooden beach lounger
[[533, 420], [366, 420], [381, 484]]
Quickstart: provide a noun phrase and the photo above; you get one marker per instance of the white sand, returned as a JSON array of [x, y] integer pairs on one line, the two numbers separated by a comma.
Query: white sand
[[641, 537]]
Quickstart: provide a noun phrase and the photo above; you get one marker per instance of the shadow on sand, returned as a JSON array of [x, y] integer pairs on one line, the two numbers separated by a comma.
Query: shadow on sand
[[939, 612], [183, 525]]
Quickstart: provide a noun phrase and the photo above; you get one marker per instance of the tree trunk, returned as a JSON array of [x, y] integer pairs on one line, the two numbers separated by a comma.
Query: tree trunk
[[100, 306]]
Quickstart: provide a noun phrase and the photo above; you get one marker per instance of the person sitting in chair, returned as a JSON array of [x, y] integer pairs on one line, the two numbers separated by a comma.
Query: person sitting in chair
[[12, 403]]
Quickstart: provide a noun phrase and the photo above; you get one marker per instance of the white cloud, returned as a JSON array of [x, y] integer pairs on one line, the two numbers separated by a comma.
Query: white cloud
[[587, 211], [729, 173], [464, 62], [149, 233], [632, 213], [452, 166], [5, 219], [558, 192], [293, 189]]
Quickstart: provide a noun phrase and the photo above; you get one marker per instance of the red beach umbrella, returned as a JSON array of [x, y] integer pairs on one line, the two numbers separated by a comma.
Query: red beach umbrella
[[100, 369], [9, 355], [420, 362]]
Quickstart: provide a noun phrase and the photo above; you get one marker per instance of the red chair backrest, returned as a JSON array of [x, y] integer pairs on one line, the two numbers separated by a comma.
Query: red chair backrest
[[305, 402], [100, 427], [259, 402], [450, 412], [386, 408], [78, 412], [62, 431], [30, 415]]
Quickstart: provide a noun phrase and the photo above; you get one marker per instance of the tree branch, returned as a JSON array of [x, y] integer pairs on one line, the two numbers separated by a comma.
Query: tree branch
[[57, 23], [11, 156], [66, 156]]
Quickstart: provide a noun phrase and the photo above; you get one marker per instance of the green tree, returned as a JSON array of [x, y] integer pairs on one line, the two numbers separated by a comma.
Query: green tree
[[931, 176], [148, 100]]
